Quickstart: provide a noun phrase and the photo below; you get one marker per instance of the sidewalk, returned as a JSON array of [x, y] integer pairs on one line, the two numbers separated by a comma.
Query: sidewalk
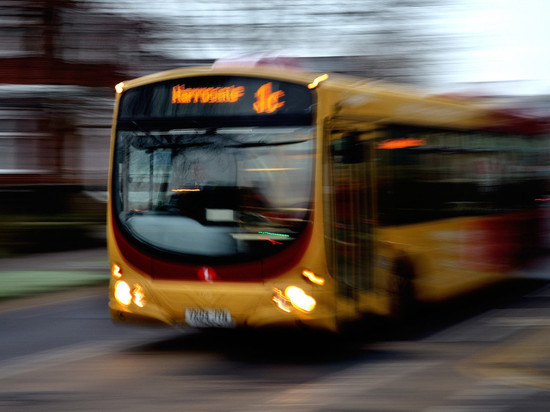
[[49, 272]]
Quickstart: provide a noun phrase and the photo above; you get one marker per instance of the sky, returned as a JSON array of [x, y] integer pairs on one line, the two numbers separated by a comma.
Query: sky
[[503, 42], [500, 41]]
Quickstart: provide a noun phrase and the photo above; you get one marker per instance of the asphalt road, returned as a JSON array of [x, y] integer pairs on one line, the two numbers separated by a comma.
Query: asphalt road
[[490, 352]]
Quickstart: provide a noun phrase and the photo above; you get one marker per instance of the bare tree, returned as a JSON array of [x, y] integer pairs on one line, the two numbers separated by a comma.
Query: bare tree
[[387, 39]]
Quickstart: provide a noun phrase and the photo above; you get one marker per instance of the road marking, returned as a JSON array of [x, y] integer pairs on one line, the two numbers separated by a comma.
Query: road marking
[[58, 356], [520, 363], [485, 395], [54, 298], [489, 390], [342, 387], [493, 326], [520, 321]]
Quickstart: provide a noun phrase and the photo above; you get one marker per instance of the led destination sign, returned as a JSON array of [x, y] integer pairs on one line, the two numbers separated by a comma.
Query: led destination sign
[[193, 95], [216, 97], [267, 100]]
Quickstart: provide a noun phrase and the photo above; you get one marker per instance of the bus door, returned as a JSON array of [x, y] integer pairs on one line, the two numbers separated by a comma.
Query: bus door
[[350, 176]]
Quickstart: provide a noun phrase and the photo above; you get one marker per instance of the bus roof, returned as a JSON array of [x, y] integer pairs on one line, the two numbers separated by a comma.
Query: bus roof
[[387, 102]]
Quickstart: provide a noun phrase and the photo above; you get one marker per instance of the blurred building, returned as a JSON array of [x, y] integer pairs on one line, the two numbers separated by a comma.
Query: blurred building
[[59, 61], [530, 98]]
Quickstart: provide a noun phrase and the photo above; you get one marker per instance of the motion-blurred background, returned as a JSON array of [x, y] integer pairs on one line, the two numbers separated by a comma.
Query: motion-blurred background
[[59, 61]]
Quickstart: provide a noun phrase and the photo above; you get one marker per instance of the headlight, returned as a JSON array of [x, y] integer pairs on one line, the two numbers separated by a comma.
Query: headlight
[[123, 293], [299, 299]]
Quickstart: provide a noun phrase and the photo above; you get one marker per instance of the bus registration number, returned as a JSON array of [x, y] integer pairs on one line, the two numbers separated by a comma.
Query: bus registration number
[[209, 318]]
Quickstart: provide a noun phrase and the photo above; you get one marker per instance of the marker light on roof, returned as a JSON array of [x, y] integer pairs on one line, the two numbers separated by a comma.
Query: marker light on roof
[[119, 88], [317, 80]]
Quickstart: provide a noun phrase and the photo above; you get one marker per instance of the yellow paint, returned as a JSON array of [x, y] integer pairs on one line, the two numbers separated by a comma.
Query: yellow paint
[[437, 249]]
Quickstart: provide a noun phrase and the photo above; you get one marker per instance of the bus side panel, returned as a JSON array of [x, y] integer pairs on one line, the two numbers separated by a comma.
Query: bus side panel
[[460, 255]]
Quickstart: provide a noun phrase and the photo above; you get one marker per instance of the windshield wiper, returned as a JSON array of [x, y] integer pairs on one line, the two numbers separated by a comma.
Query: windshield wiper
[[150, 141], [264, 144]]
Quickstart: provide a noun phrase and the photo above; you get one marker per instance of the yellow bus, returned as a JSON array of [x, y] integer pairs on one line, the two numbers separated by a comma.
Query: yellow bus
[[261, 197]]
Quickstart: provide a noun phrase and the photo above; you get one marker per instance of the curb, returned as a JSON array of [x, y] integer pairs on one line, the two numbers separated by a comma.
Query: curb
[[37, 274], [15, 284]]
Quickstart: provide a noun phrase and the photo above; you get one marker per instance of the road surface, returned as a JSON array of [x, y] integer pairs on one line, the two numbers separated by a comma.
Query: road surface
[[490, 352]]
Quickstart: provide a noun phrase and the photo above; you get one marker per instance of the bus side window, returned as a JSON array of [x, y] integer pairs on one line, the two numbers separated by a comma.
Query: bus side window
[[349, 149]]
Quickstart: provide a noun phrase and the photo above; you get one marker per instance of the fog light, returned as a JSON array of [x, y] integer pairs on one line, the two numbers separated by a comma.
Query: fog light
[[299, 299], [123, 293]]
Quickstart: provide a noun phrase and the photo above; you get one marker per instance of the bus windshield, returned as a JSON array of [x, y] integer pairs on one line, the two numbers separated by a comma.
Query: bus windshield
[[226, 192]]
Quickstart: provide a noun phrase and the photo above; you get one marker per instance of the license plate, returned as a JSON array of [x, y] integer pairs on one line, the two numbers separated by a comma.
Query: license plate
[[209, 318]]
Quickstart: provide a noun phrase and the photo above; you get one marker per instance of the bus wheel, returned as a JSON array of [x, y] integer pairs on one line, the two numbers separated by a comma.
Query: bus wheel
[[402, 290]]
